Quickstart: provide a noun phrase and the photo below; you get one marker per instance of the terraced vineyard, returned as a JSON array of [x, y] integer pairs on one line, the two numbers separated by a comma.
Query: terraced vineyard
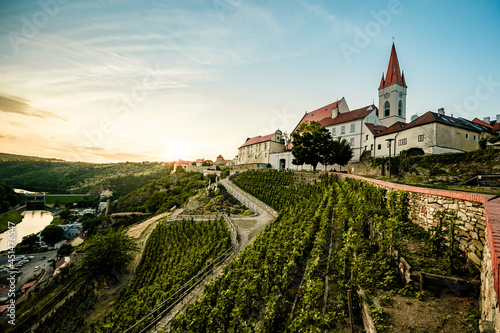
[[295, 276]]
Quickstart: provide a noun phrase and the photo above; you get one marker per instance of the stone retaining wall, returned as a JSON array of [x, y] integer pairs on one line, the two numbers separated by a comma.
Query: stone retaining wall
[[480, 226], [470, 222]]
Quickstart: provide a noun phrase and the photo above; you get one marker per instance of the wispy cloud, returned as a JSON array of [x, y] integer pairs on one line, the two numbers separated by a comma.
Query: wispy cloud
[[125, 157], [12, 104]]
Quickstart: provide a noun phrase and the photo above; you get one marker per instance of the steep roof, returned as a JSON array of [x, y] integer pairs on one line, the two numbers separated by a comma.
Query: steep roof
[[427, 118], [318, 114], [257, 139], [482, 123], [375, 129], [393, 74], [348, 116]]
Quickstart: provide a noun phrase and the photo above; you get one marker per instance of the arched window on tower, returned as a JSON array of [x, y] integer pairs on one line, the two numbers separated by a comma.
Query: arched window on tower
[[400, 109], [387, 109]]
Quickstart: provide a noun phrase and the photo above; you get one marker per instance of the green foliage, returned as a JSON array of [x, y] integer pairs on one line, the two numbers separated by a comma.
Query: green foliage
[[162, 194], [8, 198], [52, 234], [65, 250], [312, 144], [29, 244], [175, 252], [107, 253], [76, 177], [12, 217]]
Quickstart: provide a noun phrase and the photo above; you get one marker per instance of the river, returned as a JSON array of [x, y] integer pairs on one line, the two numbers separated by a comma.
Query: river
[[33, 222]]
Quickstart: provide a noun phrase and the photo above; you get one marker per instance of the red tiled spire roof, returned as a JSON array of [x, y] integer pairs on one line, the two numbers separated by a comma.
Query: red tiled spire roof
[[393, 74]]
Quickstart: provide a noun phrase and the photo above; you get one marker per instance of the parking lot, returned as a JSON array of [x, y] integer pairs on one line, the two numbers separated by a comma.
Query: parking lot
[[28, 269]]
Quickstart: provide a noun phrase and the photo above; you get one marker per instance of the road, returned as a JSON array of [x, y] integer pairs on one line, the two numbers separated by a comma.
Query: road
[[28, 270]]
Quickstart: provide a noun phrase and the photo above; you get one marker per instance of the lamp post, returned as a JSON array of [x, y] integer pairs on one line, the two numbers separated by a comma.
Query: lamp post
[[389, 140]]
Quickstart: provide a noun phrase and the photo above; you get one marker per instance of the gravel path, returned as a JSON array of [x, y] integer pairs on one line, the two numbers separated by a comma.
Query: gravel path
[[248, 229]]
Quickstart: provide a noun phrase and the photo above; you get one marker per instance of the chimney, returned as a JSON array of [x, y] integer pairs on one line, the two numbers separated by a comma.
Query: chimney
[[487, 120], [335, 112], [441, 111], [498, 118]]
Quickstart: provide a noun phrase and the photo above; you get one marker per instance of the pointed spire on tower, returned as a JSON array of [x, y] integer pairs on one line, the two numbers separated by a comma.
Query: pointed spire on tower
[[403, 79], [382, 82], [393, 74]]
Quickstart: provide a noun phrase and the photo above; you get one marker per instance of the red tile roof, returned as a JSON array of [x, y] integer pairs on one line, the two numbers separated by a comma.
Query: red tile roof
[[427, 118], [482, 123], [348, 116], [393, 74], [257, 139], [375, 129], [29, 284], [496, 127], [319, 114]]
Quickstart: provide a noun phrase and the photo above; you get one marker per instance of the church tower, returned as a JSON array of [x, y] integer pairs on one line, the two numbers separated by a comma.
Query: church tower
[[392, 93]]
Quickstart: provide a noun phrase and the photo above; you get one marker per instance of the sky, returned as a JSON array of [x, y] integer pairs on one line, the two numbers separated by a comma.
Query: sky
[[157, 80]]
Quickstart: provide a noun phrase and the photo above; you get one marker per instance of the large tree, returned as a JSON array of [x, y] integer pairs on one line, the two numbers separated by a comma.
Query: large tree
[[52, 234], [107, 254], [312, 144], [343, 152]]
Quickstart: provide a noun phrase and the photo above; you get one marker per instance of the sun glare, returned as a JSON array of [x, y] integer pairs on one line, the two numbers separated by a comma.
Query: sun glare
[[177, 150]]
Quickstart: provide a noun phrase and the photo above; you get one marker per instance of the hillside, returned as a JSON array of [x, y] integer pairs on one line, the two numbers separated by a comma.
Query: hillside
[[56, 176]]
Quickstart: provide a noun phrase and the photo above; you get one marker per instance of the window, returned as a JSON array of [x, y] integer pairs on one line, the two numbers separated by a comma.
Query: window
[[387, 109], [334, 131], [371, 147], [402, 142], [352, 141], [342, 130], [265, 155], [467, 136], [400, 108], [366, 137], [265, 145], [475, 137], [421, 138], [379, 146], [353, 128], [366, 147]]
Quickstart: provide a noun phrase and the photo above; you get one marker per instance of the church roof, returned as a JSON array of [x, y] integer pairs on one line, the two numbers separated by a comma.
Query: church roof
[[319, 114], [393, 74], [348, 116]]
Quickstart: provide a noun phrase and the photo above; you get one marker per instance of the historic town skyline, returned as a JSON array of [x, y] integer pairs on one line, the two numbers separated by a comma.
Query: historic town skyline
[[110, 81]]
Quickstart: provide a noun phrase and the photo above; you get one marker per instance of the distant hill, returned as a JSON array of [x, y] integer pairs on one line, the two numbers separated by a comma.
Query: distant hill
[[58, 176]]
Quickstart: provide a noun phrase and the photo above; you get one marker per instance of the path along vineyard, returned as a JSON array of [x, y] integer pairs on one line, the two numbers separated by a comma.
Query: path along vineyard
[[295, 276], [174, 253]]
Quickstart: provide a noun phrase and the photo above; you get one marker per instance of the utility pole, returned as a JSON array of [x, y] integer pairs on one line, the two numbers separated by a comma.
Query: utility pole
[[390, 141]]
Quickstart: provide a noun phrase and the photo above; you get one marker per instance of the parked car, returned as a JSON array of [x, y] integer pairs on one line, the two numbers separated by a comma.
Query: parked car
[[36, 268], [43, 257]]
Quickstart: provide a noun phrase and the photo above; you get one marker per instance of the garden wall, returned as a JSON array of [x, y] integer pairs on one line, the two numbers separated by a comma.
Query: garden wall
[[479, 227]]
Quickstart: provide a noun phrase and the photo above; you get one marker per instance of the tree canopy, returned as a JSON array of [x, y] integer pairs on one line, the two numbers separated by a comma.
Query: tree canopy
[[107, 254], [52, 234], [313, 144]]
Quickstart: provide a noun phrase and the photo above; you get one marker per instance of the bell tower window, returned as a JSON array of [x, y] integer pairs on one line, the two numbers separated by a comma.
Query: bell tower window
[[387, 109], [400, 108]]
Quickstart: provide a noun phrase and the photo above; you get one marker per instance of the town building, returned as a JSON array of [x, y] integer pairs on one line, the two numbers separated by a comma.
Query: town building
[[431, 133], [220, 161], [256, 151]]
